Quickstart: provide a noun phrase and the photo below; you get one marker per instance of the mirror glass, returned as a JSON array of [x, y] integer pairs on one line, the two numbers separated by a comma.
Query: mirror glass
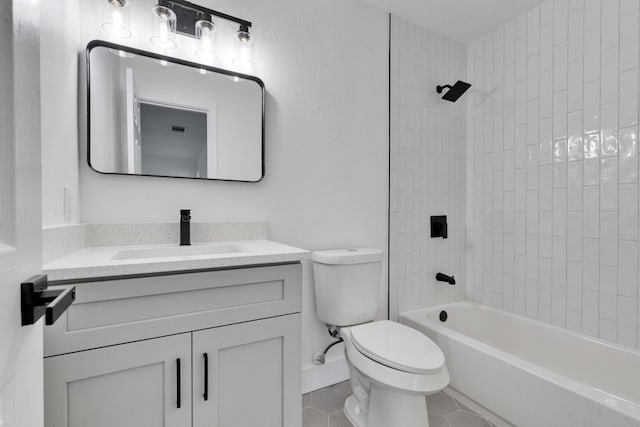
[[156, 116]]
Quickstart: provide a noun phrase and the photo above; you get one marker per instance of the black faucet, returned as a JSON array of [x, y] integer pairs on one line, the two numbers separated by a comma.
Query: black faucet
[[185, 227], [444, 278]]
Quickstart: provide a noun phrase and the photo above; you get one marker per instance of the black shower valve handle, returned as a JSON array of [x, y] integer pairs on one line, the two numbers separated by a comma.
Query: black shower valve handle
[[439, 227]]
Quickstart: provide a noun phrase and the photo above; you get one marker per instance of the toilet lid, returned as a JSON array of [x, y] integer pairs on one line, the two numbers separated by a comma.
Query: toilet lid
[[398, 346]]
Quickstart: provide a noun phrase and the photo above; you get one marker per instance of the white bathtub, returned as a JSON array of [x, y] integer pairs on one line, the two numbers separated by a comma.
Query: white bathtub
[[533, 374]]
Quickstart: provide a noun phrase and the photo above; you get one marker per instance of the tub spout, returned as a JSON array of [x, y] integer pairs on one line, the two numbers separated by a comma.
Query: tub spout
[[440, 277]]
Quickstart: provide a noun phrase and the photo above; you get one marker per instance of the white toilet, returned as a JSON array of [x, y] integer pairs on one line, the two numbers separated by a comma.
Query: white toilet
[[393, 367]]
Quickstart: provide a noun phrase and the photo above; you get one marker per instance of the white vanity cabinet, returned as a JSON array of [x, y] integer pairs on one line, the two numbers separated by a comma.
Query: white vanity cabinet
[[112, 359]]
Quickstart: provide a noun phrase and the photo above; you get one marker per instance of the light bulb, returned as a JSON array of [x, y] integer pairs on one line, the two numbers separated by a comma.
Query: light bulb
[[206, 43], [164, 31], [116, 18], [163, 28]]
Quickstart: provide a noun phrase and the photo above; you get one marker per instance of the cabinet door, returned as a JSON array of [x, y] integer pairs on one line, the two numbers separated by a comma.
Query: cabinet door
[[253, 374], [127, 385]]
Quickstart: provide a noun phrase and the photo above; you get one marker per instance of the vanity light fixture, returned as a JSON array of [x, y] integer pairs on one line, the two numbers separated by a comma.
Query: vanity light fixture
[[195, 21], [163, 27], [172, 17], [116, 18]]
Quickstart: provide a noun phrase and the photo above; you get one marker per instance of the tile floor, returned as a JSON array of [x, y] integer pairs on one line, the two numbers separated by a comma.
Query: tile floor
[[323, 408]]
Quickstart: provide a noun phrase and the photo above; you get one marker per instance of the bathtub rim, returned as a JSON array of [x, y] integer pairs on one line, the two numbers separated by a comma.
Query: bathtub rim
[[594, 394]]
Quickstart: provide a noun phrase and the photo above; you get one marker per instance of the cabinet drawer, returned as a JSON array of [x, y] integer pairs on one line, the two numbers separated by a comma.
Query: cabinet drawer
[[125, 310]]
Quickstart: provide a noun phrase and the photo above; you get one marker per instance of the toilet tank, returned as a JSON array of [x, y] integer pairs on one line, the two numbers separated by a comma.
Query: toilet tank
[[347, 283]]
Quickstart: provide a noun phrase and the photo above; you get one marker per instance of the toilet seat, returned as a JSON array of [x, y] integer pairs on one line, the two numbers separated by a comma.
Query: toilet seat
[[398, 346], [409, 382]]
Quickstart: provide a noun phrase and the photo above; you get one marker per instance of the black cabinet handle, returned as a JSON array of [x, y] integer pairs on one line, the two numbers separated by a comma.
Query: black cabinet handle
[[206, 376], [178, 382]]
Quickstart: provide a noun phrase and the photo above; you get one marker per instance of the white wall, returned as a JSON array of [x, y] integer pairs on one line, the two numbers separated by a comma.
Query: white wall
[[59, 84], [553, 167], [428, 169], [326, 183]]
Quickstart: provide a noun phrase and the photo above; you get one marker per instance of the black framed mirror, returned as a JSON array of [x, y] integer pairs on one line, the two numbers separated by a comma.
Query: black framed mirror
[[153, 115]]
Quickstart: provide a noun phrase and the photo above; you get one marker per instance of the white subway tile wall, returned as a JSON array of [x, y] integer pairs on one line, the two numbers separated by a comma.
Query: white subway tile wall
[[427, 168], [552, 167]]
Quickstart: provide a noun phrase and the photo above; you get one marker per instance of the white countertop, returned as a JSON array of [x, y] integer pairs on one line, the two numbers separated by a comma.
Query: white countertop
[[98, 262]]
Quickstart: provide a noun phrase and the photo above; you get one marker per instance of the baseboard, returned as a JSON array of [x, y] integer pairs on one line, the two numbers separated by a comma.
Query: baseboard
[[477, 408], [317, 377]]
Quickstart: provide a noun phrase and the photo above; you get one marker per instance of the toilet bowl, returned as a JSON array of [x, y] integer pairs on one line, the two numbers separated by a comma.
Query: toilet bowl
[[392, 366]]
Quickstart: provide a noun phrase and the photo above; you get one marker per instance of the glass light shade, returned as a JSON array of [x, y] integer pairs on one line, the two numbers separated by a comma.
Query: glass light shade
[[116, 18], [163, 28], [206, 40], [243, 57]]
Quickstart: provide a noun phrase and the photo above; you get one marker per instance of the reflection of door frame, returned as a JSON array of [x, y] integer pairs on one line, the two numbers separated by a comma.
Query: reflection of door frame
[[131, 148], [212, 129]]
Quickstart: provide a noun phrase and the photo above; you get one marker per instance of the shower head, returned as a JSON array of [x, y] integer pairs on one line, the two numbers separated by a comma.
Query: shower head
[[454, 91]]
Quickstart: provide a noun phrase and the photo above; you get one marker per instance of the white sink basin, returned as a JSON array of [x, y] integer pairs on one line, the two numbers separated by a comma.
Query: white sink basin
[[176, 251]]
